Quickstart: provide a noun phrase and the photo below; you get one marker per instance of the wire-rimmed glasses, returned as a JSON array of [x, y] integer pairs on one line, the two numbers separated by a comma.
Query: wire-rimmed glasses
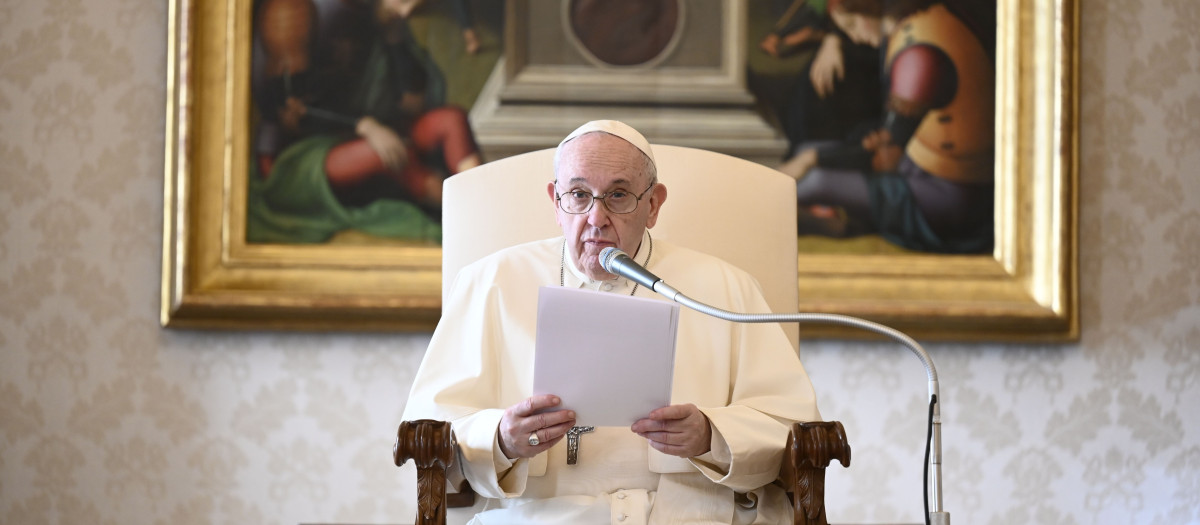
[[619, 201]]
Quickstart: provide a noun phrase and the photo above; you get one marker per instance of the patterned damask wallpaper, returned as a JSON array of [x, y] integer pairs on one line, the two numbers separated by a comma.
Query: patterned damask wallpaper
[[108, 419]]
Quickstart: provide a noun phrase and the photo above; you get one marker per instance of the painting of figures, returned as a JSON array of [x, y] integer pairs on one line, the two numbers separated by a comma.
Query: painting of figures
[[932, 144], [355, 123], [889, 120]]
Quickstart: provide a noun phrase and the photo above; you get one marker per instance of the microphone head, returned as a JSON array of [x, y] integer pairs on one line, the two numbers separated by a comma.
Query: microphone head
[[607, 256]]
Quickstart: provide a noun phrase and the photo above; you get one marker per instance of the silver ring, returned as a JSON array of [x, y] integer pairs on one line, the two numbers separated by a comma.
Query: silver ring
[[533, 439]]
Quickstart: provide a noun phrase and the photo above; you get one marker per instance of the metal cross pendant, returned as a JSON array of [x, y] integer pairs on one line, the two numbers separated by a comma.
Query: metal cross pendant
[[573, 443]]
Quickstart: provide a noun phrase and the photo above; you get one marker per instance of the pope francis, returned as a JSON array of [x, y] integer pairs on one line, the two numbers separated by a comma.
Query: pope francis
[[710, 457]]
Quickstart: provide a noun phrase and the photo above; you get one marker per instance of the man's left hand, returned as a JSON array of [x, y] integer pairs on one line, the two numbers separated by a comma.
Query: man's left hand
[[678, 430]]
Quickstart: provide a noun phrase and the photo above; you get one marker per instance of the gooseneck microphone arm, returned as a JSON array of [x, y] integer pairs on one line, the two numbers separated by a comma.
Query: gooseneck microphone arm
[[618, 262]]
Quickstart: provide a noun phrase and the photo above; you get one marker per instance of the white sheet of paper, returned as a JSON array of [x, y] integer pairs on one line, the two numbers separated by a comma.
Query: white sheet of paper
[[609, 357]]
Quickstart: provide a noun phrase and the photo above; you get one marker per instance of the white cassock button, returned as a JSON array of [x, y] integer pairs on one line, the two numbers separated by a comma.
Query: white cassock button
[[607, 287], [620, 495], [622, 517]]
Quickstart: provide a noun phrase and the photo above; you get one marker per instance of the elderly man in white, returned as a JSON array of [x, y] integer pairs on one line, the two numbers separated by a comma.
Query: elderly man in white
[[709, 457]]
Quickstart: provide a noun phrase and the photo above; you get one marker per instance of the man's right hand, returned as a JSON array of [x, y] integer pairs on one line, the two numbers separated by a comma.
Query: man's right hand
[[828, 66], [386, 143], [521, 420], [291, 113]]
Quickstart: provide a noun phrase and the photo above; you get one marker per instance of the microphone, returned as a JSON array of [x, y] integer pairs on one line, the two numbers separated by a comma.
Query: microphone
[[617, 262]]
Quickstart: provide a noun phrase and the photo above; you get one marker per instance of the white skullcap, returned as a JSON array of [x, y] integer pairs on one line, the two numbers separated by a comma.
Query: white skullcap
[[618, 129]]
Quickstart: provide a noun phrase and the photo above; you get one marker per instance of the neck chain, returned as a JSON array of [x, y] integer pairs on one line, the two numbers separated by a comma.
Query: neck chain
[[562, 262]]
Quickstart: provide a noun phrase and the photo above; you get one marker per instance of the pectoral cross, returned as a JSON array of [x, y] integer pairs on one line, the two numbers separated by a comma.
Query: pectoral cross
[[573, 443]]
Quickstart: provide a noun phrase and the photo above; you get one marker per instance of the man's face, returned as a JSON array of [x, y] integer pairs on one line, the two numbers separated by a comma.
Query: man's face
[[600, 163], [862, 29]]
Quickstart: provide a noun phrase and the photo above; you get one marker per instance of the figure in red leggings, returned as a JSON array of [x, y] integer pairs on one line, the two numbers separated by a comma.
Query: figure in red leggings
[[351, 105]]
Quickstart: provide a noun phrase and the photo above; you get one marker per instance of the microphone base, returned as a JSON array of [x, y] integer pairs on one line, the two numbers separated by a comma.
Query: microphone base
[[939, 518]]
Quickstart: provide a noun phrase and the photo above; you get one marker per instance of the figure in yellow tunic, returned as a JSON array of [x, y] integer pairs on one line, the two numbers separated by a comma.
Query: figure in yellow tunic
[[923, 177]]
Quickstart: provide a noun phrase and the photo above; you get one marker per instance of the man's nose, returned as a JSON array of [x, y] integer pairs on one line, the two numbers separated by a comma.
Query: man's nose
[[599, 215]]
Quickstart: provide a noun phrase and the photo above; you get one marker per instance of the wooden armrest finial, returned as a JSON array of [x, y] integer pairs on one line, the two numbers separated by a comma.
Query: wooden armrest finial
[[810, 448], [430, 444]]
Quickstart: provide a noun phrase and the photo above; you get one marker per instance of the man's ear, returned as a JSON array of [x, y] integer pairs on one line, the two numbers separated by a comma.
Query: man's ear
[[657, 197], [553, 200]]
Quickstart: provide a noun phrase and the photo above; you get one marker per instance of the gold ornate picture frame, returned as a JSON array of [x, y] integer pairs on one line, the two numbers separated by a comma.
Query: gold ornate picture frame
[[1025, 290]]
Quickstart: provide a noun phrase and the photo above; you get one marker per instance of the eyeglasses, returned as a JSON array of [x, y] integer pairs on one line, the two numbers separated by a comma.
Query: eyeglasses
[[621, 202]]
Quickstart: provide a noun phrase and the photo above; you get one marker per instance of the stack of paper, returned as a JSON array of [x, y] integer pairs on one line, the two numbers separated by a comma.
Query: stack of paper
[[609, 357]]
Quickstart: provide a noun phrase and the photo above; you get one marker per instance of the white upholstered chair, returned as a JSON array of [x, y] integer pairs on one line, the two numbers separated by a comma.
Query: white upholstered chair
[[732, 208], [738, 210]]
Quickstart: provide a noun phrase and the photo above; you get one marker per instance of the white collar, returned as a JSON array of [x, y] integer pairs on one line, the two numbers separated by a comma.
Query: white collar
[[575, 278]]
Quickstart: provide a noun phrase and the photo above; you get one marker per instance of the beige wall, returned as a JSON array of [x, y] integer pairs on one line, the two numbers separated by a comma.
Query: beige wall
[[106, 418]]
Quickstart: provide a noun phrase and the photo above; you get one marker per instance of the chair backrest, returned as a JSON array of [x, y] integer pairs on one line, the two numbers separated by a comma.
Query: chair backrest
[[732, 208]]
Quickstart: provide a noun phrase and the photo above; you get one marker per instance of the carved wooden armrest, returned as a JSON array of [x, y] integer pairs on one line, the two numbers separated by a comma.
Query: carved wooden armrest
[[810, 448], [431, 445]]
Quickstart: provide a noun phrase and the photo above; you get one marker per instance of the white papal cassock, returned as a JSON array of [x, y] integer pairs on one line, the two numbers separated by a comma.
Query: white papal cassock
[[745, 377]]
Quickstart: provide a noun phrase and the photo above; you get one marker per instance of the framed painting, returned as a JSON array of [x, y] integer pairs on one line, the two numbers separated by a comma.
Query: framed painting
[[525, 73]]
